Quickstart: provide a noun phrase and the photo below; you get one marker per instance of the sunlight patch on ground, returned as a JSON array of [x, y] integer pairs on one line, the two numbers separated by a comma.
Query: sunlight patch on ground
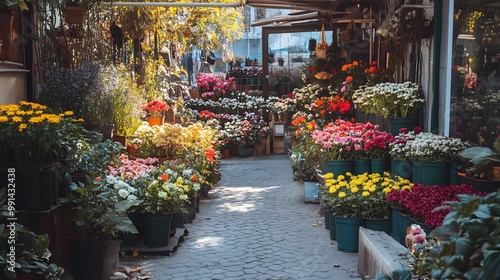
[[242, 197], [208, 241]]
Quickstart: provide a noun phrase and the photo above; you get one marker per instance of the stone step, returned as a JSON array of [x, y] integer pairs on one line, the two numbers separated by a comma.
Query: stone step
[[379, 253]]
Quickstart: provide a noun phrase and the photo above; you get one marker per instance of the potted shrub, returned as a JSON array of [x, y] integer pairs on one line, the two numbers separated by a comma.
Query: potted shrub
[[483, 167], [99, 212]]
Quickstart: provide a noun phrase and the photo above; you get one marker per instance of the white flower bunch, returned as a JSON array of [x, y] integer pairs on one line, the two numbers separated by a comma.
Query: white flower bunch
[[434, 147], [493, 97], [121, 189], [390, 100]]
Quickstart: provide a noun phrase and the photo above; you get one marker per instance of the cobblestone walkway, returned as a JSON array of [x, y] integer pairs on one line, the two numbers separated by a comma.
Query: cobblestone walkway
[[255, 225]]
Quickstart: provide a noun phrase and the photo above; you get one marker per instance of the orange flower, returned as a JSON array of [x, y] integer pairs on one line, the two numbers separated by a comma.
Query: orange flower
[[98, 179], [374, 63], [311, 125], [195, 178], [373, 69], [164, 177], [319, 103], [298, 120], [298, 131], [349, 79], [322, 112], [344, 68], [355, 63]]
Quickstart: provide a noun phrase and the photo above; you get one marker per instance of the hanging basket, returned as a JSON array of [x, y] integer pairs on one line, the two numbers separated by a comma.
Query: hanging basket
[[322, 47], [347, 36], [75, 15]]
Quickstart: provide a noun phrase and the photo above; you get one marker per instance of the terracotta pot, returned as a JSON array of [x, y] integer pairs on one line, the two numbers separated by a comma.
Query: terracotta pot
[[496, 173], [155, 121]]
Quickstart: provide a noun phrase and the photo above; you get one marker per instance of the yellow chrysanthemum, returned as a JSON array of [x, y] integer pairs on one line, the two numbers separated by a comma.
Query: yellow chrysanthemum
[[341, 194], [328, 176], [372, 189], [17, 119], [355, 190], [68, 113], [407, 187], [341, 177], [348, 174], [365, 193], [22, 127], [385, 184], [396, 188], [332, 189], [3, 119], [386, 190]]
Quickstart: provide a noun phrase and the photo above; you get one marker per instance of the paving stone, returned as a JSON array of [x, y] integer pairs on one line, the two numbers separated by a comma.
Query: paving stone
[[254, 225]]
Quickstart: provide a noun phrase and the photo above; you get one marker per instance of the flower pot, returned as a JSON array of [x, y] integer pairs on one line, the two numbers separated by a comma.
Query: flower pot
[[132, 151], [377, 166], [226, 153], [397, 225], [384, 225], [361, 166], [107, 131], [177, 220], [338, 167], [311, 192], [155, 121], [333, 228], [328, 213], [482, 185], [347, 233], [402, 168], [87, 257], [431, 173], [395, 124], [156, 229], [111, 258], [120, 139], [406, 221], [453, 180], [75, 14], [36, 189]]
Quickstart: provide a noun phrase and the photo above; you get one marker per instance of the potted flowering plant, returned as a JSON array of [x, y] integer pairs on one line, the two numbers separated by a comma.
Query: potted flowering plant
[[155, 109], [99, 213], [431, 155], [163, 193], [391, 101], [399, 152]]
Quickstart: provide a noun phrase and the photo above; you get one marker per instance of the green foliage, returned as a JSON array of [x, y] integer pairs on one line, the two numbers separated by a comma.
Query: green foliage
[[98, 210], [31, 251], [93, 159], [469, 241]]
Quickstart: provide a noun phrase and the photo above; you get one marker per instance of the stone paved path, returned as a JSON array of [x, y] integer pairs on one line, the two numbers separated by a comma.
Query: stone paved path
[[255, 225]]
